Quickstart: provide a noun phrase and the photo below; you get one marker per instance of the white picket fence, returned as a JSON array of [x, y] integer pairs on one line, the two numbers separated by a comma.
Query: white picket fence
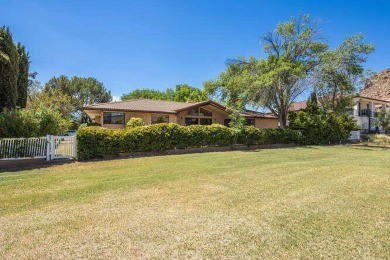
[[49, 147]]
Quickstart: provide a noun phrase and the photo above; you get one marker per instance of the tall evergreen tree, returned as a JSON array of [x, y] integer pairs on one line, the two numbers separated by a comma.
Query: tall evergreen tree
[[312, 106], [22, 76], [9, 70]]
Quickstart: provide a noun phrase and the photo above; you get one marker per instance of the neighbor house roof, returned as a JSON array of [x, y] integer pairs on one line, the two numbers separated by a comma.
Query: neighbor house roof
[[302, 104], [298, 105], [162, 106]]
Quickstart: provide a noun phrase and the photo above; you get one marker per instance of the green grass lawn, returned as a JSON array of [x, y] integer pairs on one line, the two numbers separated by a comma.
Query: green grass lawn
[[306, 202]]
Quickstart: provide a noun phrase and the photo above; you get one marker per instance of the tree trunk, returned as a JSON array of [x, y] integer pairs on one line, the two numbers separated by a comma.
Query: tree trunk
[[282, 119]]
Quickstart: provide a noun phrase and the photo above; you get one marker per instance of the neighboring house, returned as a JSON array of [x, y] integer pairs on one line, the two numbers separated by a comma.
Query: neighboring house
[[365, 110], [117, 114], [371, 99]]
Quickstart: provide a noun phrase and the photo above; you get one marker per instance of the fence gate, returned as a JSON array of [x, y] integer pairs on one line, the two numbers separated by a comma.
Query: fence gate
[[62, 147], [49, 147]]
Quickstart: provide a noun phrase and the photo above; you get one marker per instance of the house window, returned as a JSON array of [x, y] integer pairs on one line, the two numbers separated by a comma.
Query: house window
[[157, 119], [192, 121], [250, 122], [198, 116], [113, 118], [192, 112], [206, 121], [199, 111], [226, 122], [205, 112]]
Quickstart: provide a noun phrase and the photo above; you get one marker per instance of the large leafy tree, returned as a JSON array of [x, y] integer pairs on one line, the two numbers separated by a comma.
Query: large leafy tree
[[230, 89], [53, 99], [80, 91], [9, 70], [186, 93], [340, 73], [145, 94], [383, 120], [181, 93], [294, 49]]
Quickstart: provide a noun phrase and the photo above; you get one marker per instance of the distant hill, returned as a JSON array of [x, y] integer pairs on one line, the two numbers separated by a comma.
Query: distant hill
[[378, 86]]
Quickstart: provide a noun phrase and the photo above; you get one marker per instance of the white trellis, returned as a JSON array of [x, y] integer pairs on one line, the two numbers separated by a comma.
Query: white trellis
[[49, 147]]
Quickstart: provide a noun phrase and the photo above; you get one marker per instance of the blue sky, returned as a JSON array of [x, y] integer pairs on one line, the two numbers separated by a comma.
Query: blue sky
[[158, 44]]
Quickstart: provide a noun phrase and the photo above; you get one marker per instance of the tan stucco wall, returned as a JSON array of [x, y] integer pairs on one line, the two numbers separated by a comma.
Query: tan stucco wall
[[218, 118], [266, 123], [113, 126], [146, 117]]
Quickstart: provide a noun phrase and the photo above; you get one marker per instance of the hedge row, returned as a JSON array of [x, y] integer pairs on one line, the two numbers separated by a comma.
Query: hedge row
[[94, 142]]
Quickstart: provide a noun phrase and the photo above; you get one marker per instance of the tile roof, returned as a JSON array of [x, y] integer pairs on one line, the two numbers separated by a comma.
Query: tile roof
[[384, 99], [143, 105], [298, 105], [251, 113], [163, 106]]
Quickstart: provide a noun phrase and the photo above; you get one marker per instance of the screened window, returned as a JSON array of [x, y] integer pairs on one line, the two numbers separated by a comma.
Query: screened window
[[157, 119], [192, 121], [113, 118]]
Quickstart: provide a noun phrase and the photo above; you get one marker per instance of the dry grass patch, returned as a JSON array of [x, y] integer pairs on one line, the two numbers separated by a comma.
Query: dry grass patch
[[378, 141], [318, 202]]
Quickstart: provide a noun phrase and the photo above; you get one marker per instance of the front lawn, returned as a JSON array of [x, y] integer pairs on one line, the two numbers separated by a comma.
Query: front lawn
[[306, 202]]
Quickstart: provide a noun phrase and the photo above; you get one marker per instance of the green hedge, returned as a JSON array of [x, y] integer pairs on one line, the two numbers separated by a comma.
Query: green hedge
[[94, 142], [253, 136], [322, 128]]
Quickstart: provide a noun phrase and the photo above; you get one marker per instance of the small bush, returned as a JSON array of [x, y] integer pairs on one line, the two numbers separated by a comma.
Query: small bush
[[94, 142], [134, 122]]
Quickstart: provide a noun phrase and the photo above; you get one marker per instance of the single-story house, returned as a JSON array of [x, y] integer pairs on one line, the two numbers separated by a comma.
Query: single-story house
[[117, 114], [365, 110]]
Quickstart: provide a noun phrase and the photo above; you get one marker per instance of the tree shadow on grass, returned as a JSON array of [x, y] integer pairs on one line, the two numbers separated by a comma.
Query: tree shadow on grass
[[20, 165]]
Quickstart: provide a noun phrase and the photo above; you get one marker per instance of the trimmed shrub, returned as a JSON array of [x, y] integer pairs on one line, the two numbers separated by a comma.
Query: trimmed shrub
[[134, 122], [94, 142], [322, 128], [254, 136]]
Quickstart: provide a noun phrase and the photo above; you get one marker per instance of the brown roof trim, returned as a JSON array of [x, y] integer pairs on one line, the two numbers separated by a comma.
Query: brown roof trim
[[376, 99], [202, 103]]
